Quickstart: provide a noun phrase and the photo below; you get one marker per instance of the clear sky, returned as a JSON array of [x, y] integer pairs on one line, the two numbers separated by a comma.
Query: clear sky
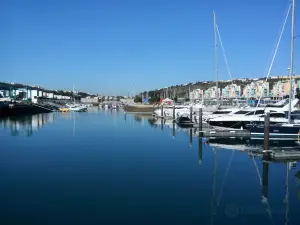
[[106, 46]]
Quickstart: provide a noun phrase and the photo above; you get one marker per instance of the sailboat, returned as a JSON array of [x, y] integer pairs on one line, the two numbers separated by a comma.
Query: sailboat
[[183, 114], [290, 129], [114, 104], [76, 107]]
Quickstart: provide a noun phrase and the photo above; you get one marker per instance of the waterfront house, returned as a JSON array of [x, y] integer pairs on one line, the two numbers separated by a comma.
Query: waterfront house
[[196, 94], [212, 92], [231, 91], [256, 89]]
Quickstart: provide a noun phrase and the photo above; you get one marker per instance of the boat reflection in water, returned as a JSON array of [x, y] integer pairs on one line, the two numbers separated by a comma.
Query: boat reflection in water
[[250, 144], [262, 166], [214, 181], [263, 169], [26, 125]]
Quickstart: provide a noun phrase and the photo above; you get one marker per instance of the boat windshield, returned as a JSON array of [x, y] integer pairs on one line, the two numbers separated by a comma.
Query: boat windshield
[[221, 112], [256, 112], [241, 112], [275, 115]]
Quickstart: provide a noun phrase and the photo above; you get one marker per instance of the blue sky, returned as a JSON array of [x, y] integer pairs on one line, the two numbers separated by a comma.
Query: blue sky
[[106, 46]]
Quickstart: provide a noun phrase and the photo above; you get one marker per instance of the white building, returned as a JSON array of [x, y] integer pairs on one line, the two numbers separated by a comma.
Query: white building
[[50, 95], [212, 92], [196, 94]]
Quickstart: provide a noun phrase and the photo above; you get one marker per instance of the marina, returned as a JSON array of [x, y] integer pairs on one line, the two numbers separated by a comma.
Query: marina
[[129, 112]]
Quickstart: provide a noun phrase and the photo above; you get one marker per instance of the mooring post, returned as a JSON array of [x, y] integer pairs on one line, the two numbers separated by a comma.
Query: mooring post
[[153, 109], [266, 131], [162, 124], [173, 113], [200, 122], [162, 111], [191, 113]]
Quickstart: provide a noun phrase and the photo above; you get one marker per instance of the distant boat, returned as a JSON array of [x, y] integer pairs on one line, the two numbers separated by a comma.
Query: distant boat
[[139, 108], [64, 109], [77, 107]]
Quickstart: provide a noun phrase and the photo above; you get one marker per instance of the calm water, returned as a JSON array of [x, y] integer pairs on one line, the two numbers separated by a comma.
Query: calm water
[[102, 167]]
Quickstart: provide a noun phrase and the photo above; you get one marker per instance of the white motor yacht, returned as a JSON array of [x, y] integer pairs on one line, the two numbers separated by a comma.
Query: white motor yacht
[[243, 118]]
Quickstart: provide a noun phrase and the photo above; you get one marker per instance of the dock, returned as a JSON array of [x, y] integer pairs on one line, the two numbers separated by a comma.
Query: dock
[[225, 133], [284, 155]]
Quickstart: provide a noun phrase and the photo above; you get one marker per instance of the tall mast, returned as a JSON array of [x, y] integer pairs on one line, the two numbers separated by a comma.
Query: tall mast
[[73, 94], [292, 59], [216, 55], [133, 91]]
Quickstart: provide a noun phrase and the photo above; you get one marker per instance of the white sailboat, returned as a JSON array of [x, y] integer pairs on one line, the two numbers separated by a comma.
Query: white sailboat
[[183, 115], [76, 107], [184, 110], [292, 127], [277, 113]]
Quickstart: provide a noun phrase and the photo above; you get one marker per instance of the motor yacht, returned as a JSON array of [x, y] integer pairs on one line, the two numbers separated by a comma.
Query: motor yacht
[[243, 118]]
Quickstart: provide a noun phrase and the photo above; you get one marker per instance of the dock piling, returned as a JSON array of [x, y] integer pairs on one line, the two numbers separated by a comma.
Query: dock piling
[[191, 114], [173, 113], [162, 111], [153, 109], [200, 122], [266, 131]]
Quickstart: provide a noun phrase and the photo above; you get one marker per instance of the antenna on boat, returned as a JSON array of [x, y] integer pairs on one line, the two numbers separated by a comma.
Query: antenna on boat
[[292, 59], [216, 55]]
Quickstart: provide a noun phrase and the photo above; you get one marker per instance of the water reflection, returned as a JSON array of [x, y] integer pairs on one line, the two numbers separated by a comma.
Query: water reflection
[[227, 178], [137, 118], [191, 137], [200, 150], [26, 125], [173, 130], [250, 144], [253, 147]]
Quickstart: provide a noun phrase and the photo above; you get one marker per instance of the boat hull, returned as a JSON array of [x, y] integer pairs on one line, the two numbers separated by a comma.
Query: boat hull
[[276, 131], [78, 109], [236, 124], [21, 109], [184, 122], [139, 108]]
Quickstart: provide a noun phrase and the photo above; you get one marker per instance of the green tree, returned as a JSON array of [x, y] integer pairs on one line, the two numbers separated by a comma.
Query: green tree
[[138, 98], [154, 99], [151, 93]]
